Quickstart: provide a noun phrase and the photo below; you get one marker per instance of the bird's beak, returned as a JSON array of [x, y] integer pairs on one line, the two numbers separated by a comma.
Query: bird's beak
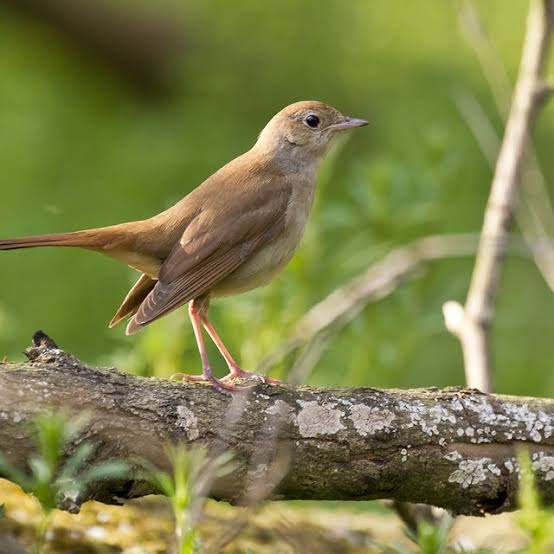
[[347, 123]]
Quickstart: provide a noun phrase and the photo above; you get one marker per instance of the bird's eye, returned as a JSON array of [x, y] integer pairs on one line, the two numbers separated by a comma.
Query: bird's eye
[[312, 121]]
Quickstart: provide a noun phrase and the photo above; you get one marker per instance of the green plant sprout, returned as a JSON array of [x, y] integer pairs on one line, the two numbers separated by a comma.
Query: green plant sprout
[[186, 486], [536, 521], [432, 539], [52, 479], [533, 518]]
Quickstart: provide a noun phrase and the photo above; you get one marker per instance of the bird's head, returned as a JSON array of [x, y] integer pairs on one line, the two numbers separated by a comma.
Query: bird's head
[[304, 130]]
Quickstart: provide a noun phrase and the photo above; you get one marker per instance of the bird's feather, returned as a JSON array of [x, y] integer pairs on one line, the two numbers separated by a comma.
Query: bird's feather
[[215, 244], [134, 299]]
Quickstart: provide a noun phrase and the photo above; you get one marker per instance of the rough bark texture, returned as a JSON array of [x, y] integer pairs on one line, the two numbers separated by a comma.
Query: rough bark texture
[[452, 448]]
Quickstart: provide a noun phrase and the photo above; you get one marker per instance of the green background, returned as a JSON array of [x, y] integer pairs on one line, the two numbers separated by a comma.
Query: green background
[[79, 148]]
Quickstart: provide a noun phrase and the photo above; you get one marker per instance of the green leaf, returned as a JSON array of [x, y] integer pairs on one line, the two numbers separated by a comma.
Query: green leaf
[[13, 473], [74, 463], [104, 471], [41, 470], [532, 517]]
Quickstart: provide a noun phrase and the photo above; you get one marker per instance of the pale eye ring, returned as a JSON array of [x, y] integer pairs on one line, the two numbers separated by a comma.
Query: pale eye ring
[[312, 121]]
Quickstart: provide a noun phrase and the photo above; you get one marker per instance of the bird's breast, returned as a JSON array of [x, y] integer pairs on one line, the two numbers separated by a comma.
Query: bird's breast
[[270, 260]]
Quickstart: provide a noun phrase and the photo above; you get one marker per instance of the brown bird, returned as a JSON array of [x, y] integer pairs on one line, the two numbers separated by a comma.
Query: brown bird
[[231, 234]]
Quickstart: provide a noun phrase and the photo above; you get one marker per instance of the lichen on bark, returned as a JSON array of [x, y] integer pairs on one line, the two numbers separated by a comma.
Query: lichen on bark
[[453, 448]]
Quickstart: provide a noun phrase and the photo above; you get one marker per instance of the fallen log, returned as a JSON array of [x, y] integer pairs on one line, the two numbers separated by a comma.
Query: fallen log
[[454, 448]]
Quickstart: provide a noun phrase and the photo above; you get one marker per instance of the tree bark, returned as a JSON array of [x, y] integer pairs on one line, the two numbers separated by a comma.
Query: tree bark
[[452, 448]]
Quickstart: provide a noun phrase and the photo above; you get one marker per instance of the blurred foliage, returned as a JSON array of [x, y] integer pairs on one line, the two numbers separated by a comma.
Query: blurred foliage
[[433, 539], [51, 478], [533, 518], [428, 538], [79, 148], [192, 474]]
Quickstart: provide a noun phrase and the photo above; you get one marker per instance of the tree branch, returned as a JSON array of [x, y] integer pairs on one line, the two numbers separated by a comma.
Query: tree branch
[[141, 48], [375, 283], [535, 215], [472, 323], [452, 448]]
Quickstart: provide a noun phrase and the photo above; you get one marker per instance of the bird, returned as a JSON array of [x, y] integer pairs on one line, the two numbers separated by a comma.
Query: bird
[[233, 233]]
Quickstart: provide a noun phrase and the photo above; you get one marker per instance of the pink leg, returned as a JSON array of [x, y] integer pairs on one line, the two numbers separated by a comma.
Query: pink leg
[[234, 369], [195, 312]]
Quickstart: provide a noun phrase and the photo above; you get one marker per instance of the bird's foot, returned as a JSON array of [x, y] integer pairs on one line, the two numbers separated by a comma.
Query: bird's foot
[[238, 372], [206, 376]]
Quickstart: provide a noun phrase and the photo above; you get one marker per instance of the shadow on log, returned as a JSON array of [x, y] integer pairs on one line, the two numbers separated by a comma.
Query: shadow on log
[[452, 448]]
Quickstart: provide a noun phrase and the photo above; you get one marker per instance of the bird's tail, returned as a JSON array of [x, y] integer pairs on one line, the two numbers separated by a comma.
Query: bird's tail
[[95, 238]]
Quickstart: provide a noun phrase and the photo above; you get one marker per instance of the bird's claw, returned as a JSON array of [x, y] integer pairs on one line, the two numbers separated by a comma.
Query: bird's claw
[[223, 385], [218, 384], [187, 377], [237, 372]]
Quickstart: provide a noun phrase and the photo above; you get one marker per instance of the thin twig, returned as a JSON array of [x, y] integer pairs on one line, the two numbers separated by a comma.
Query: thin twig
[[533, 211], [472, 323], [268, 466], [378, 281], [535, 215]]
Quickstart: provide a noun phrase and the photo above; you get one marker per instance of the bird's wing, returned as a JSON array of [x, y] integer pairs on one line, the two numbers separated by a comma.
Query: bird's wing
[[134, 298], [215, 244]]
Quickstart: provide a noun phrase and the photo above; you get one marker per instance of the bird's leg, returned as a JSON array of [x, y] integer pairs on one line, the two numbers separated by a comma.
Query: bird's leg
[[196, 308], [234, 369]]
